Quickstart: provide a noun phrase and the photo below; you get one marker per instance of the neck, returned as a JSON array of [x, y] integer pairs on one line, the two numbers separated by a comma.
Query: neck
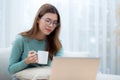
[[40, 36]]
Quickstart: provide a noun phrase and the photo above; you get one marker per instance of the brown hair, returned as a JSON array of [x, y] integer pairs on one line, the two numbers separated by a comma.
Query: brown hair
[[53, 43]]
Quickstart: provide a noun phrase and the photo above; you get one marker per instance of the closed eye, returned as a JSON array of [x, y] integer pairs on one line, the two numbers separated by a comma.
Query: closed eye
[[47, 20]]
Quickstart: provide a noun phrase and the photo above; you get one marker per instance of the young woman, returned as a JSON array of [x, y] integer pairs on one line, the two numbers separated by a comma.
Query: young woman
[[44, 36]]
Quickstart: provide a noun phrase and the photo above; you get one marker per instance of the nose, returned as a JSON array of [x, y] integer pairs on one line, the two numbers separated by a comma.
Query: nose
[[51, 24]]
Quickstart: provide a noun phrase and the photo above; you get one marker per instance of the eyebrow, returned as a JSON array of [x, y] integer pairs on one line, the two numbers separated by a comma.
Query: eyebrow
[[52, 20]]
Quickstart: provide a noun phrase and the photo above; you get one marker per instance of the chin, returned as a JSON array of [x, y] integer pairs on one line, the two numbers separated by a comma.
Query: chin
[[47, 33]]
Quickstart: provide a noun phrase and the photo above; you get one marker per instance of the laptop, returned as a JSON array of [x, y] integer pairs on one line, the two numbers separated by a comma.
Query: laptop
[[74, 68]]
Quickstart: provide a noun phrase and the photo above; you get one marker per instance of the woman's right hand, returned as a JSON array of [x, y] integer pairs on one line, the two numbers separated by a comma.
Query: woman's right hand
[[32, 57]]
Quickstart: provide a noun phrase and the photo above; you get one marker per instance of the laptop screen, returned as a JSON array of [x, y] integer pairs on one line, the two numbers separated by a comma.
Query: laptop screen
[[71, 68]]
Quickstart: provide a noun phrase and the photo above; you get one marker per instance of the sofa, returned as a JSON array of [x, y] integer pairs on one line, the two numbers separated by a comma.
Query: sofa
[[40, 72], [4, 59], [44, 73]]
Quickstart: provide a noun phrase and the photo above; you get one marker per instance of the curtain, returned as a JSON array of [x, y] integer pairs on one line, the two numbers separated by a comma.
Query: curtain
[[87, 25]]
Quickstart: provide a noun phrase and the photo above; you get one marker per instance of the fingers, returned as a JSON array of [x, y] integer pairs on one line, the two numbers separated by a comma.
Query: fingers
[[32, 57], [31, 53]]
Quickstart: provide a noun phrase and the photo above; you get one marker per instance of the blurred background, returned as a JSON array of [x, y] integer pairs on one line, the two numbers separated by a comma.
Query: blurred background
[[87, 26]]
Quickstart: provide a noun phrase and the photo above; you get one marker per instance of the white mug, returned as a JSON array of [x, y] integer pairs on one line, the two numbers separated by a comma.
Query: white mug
[[42, 57]]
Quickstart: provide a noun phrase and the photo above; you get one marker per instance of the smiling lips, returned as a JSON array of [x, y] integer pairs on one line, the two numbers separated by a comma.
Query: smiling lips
[[49, 30]]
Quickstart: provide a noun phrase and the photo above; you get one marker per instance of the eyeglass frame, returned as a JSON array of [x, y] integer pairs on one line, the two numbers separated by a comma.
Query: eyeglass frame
[[48, 21]]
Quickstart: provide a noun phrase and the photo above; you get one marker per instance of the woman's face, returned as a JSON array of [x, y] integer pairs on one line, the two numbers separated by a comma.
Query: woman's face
[[47, 23]]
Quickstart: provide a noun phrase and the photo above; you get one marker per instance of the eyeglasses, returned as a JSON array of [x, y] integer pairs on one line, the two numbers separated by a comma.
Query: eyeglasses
[[48, 21]]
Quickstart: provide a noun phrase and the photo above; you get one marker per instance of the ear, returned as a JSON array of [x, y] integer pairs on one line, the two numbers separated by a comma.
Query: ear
[[38, 20]]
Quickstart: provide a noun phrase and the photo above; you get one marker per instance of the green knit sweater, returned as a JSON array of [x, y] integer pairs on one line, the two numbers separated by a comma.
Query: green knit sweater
[[20, 49]]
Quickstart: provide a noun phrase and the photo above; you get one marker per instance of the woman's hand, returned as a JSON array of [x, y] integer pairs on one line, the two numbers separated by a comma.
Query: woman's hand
[[32, 57]]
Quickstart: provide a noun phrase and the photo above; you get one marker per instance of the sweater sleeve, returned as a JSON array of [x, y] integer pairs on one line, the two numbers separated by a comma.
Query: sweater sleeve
[[59, 53], [15, 62]]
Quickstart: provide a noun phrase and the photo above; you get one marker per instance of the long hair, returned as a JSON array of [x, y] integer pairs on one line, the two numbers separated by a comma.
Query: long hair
[[53, 43]]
